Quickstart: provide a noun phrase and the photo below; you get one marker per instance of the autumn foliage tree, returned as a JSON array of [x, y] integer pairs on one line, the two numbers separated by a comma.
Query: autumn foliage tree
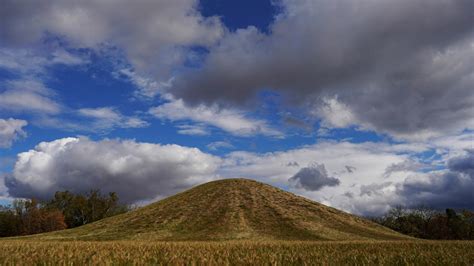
[[27, 217], [64, 210]]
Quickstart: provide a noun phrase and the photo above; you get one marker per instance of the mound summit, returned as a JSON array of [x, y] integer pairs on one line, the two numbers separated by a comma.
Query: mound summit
[[231, 209]]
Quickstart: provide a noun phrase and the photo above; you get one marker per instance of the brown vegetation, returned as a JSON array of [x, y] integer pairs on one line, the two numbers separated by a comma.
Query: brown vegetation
[[237, 253], [232, 209], [27, 217]]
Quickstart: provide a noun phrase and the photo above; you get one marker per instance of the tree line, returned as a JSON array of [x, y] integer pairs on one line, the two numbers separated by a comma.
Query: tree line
[[64, 210], [423, 222]]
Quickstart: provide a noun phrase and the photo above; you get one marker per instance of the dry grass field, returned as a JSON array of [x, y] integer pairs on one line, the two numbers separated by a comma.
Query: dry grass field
[[30, 252], [232, 222]]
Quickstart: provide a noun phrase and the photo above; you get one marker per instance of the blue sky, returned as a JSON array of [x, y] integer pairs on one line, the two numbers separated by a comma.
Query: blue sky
[[292, 93]]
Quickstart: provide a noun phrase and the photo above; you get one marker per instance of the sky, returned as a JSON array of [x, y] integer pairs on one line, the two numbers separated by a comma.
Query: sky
[[358, 104]]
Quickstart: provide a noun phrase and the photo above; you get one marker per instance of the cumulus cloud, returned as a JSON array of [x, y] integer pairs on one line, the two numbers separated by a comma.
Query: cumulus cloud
[[313, 178], [370, 159], [463, 164], [383, 65], [143, 171], [449, 188], [136, 171], [364, 189], [10, 130], [140, 171], [149, 31], [390, 65], [233, 121]]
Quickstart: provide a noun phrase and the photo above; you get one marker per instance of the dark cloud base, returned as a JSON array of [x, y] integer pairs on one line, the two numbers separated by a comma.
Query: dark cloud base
[[313, 178]]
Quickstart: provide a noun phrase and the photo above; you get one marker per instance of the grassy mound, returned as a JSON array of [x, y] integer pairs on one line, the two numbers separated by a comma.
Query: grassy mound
[[228, 210]]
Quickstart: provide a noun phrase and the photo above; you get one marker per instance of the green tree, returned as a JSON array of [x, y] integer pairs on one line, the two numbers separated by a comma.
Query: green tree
[[10, 224], [423, 222], [80, 209], [458, 225]]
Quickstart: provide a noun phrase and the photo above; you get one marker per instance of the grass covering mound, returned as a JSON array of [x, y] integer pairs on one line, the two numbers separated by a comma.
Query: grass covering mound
[[230, 209]]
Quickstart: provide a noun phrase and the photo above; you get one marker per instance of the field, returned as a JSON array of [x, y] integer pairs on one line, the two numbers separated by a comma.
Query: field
[[232, 222], [31, 252]]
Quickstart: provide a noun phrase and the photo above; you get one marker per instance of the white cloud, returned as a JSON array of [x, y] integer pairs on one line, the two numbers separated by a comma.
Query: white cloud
[[136, 171], [408, 165], [335, 114], [30, 63], [447, 188], [63, 57], [22, 61], [86, 120], [388, 71], [3, 188], [232, 121], [214, 146], [28, 96], [193, 130], [146, 87], [28, 92], [370, 159], [109, 117], [368, 163], [102, 113], [454, 144], [381, 175], [355, 172], [10, 130], [413, 89]]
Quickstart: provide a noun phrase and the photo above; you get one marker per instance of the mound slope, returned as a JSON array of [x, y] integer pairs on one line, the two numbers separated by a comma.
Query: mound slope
[[231, 209]]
